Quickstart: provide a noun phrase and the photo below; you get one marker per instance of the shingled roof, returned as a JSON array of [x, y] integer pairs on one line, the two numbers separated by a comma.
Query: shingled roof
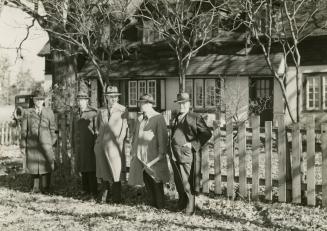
[[226, 65]]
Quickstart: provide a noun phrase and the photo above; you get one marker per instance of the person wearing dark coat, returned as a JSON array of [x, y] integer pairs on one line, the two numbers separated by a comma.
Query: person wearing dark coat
[[149, 149], [84, 135], [37, 140], [189, 134]]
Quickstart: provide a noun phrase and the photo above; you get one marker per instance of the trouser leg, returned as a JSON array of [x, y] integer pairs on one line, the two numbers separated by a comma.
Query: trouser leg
[[148, 182], [187, 173], [155, 191], [116, 192], [93, 186], [85, 182], [179, 185], [35, 183], [45, 180], [104, 191]]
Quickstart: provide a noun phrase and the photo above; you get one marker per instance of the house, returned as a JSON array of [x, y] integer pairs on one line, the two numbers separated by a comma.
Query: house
[[225, 75]]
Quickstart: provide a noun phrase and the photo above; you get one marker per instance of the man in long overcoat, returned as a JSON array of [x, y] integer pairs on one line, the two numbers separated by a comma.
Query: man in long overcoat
[[189, 134], [149, 149], [84, 134], [109, 145], [37, 140]]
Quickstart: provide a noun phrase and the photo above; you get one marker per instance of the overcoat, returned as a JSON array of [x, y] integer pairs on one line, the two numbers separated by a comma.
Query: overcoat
[[146, 148], [109, 145], [84, 135], [37, 139]]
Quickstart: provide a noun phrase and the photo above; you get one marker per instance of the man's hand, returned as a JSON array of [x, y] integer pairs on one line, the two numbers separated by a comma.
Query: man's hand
[[188, 145]]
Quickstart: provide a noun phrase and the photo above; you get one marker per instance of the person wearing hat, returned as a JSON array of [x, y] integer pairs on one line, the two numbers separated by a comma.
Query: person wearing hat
[[189, 134], [37, 140], [149, 149], [84, 135], [109, 145]]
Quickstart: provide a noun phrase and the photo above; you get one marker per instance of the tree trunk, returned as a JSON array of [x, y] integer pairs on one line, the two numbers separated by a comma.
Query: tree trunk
[[63, 76], [64, 85]]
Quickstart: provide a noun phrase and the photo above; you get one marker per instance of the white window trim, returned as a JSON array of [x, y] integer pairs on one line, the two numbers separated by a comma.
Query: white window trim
[[307, 93], [205, 93], [155, 90], [195, 93], [139, 87], [129, 93], [324, 82]]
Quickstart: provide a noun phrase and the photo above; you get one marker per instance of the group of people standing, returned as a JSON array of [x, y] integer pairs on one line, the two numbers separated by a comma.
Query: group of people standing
[[99, 138]]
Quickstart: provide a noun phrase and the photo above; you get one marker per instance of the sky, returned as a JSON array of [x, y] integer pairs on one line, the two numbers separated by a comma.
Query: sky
[[13, 28]]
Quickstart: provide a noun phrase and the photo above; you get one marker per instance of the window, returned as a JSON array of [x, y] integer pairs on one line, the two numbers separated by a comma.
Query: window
[[316, 92], [150, 34], [132, 93], [210, 93], [204, 93], [141, 87], [262, 88], [152, 89], [198, 89]]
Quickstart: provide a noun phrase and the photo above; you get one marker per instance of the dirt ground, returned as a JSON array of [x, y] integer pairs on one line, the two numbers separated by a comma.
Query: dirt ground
[[65, 208]]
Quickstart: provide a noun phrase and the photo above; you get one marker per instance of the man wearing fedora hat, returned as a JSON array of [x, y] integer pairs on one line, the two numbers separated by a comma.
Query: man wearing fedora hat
[[37, 140], [84, 134], [189, 134], [149, 149], [109, 145]]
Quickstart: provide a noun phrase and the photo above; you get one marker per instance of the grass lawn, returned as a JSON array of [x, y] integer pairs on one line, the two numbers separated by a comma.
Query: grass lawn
[[66, 209]]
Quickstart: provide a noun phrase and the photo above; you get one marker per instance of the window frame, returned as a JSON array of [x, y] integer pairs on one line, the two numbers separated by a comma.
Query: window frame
[[155, 90], [321, 77], [138, 91], [129, 93]]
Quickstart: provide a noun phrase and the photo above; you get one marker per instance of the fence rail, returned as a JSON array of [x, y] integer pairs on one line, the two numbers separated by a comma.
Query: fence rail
[[252, 161], [9, 133]]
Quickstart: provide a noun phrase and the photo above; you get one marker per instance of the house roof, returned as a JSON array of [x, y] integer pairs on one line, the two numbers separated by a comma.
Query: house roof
[[45, 50], [227, 65]]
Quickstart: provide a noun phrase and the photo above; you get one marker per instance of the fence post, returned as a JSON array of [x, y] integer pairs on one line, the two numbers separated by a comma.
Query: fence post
[[205, 170], [255, 156], [268, 151], [281, 158], [10, 140], [324, 163], [230, 158], [64, 144], [2, 133], [311, 179], [242, 159], [217, 153], [296, 164]]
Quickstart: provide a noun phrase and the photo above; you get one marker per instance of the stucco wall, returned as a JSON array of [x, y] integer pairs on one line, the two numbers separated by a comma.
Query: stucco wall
[[236, 97], [291, 93], [171, 93]]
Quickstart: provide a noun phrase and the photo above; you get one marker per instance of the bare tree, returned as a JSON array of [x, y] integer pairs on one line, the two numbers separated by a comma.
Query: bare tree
[[282, 23], [92, 28], [187, 26]]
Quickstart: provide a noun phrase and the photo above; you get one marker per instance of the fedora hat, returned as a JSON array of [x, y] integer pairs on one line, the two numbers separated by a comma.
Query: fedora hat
[[82, 95], [38, 93], [112, 90], [182, 97], [147, 98], [83, 92]]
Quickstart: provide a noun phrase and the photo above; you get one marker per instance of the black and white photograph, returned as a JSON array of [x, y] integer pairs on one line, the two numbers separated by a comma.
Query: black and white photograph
[[163, 115]]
